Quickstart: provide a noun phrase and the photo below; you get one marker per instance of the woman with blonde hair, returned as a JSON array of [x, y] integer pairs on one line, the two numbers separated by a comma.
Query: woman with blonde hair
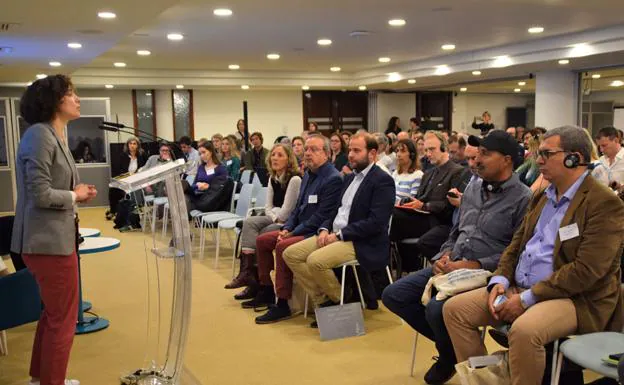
[[282, 193], [230, 157]]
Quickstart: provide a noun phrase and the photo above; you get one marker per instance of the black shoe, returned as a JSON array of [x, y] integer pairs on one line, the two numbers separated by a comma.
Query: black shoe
[[372, 304], [249, 292], [500, 337], [275, 314], [329, 303], [439, 373], [314, 325], [264, 298]]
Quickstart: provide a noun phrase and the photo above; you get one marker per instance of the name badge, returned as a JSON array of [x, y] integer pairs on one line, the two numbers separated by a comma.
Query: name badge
[[568, 232], [313, 199], [210, 171], [228, 163]]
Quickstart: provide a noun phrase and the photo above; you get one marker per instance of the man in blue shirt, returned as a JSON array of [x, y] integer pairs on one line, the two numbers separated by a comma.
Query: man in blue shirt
[[561, 273]]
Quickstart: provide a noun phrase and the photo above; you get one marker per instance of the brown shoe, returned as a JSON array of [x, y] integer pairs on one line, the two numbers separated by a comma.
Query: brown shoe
[[249, 293], [246, 275]]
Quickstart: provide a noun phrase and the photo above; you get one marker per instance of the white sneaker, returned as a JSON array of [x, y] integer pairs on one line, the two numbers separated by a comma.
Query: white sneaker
[[67, 382]]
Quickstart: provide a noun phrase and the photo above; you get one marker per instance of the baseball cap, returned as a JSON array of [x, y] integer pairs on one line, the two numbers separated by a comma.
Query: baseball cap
[[502, 142]]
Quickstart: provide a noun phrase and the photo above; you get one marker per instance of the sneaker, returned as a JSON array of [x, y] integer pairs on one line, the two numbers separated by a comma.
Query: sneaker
[[439, 373], [275, 314], [67, 382]]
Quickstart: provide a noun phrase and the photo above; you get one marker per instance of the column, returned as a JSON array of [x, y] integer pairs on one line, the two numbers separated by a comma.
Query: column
[[556, 99]]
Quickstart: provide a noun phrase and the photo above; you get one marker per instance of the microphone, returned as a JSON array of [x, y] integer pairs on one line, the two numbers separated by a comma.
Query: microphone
[[117, 125], [107, 128]]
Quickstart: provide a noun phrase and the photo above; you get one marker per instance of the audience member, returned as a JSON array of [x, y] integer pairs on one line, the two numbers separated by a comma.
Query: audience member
[[415, 135], [210, 178], [457, 146], [346, 137], [255, 158], [403, 135], [408, 175], [191, 155], [216, 144], [339, 153], [486, 124], [511, 131], [297, 145], [529, 172], [425, 164], [357, 230], [470, 174], [394, 126], [561, 273], [132, 159], [383, 160], [230, 157], [414, 124], [201, 141], [312, 127], [520, 133], [492, 208], [540, 130], [240, 130], [612, 158], [282, 193], [83, 153], [318, 198]]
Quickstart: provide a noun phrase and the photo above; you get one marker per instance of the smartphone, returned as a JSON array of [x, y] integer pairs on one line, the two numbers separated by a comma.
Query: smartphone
[[616, 357], [499, 300], [452, 194]]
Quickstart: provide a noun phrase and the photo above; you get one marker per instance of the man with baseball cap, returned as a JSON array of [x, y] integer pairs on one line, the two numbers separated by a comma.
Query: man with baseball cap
[[491, 209]]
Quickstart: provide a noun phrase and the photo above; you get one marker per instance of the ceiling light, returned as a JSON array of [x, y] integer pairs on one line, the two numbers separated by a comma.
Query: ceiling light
[[234, 66], [180, 86], [106, 15], [335, 69], [502, 61], [28, 84], [517, 90], [596, 76], [273, 56], [74, 45], [579, 50], [476, 73], [148, 94], [412, 81], [463, 89], [175, 36], [305, 88], [536, 29], [245, 87], [396, 22], [55, 64], [119, 64], [394, 77], [617, 83], [384, 60], [323, 42], [143, 52], [109, 86], [362, 88], [522, 83], [41, 76], [222, 12], [442, 70], [448, 47], [564, 61]]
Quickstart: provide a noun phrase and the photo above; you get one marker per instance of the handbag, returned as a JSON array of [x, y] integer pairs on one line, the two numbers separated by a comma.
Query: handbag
[[489, 375], [455, 282]]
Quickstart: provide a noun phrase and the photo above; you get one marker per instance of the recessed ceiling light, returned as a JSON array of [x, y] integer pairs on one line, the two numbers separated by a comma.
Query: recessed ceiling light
[[222, 12], [596, 76], [74, 45], [335, 69], [234, 66], [522, 83], [106, 15], [245, 87], [580, 50], [143, 52], [396, 22], [463, 89], [384, 60], [394, 77], [442, 70], [55, 64], [109, 86], [273, 56], [517, 90], [362, 88], [476, 73], [41, 76], [175, 36], [148, 94], [412, 81], [448, 47], [119, 64], [323, 42], [502, 61], [617, 83], [180, 86], [536, 29], [305, 88], [564, 61]]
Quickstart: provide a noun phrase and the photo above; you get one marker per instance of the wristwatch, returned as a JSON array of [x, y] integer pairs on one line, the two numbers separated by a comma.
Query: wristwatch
[[338, 236]]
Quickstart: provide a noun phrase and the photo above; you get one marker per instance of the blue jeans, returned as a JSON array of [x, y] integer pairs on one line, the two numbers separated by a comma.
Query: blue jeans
[[404, 299]]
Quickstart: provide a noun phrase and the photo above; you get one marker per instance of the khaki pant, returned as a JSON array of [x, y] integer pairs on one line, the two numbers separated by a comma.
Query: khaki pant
[[539, 325], [313, 267]]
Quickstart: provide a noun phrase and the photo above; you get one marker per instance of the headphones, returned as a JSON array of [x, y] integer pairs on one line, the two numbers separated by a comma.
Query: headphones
[[440, 137], [492, 187], [573, 160]]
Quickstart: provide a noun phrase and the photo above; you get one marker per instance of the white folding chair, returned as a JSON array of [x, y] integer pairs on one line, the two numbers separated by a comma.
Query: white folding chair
[[258, 204], [245, 177], [190, 179]]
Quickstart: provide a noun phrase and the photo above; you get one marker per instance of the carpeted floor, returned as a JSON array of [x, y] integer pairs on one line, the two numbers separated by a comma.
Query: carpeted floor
[[225, 346]]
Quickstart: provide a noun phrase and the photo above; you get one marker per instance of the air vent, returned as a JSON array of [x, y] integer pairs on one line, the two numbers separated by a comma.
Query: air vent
[[359, 33], [8, 27]]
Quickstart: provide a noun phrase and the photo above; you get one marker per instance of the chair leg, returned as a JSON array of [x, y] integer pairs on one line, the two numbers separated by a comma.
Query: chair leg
[[357, 281], [154, 209], [342, 286], [165, 221], [216, 265], [305, 307], [389, 275], [202, 240], [413, 355], [557, 363]]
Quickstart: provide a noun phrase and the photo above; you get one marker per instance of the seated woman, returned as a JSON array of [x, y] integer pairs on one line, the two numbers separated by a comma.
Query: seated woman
[[297, 146], [230, 157], [211, 175], [339, 153], [408, 175], [282, 193], [132, 158], [83, 153]]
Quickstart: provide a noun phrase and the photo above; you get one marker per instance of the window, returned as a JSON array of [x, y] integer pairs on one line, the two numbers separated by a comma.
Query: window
[[144, 109], [4, 150], [86, 141], [182, 113]]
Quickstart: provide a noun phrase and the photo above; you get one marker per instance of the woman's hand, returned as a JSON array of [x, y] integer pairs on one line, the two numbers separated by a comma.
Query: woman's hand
[[202, 186]]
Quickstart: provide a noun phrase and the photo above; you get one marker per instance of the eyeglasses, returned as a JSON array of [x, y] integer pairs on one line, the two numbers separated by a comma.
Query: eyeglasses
[[430, 149], [546, 154], [312, 149]]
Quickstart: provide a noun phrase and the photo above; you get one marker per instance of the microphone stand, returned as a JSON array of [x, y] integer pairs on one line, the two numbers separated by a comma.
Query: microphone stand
[[141, 134]]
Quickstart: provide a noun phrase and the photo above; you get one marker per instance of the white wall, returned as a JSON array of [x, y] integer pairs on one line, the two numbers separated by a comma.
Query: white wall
[[604, 96], [467, 106], [164, 114], [120, 108], [389, 105], [556, 102]]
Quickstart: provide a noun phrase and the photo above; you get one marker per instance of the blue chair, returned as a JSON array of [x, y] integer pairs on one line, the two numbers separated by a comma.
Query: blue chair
[[19, 300]]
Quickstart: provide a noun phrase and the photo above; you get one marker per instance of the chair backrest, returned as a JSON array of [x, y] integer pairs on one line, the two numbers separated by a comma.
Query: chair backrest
[[261, 197], [244, 200], [19, 299], [245, 176], [256, 181], [233, 200], [190, 179]]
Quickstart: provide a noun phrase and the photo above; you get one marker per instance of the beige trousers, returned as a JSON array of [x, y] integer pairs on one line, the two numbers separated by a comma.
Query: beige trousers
[[312, 267], [539, 325]]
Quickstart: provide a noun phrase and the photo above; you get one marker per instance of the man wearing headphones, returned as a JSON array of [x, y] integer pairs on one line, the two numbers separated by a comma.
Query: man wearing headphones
[[561, 273], [491, 209]]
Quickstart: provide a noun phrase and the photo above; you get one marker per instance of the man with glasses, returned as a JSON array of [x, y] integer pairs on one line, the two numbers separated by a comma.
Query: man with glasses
[[612, 158], [318, 199], [561, 273]]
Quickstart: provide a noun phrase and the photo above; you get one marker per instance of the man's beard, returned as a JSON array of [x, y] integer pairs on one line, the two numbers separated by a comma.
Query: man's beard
[[360, 166]]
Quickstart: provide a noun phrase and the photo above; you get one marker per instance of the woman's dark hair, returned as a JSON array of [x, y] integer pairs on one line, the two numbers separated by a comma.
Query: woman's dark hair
[[238, 122], [343, 145], [411, 148], [314, 124], [42, 99], [392, 123], [208, 146], [80, 149]]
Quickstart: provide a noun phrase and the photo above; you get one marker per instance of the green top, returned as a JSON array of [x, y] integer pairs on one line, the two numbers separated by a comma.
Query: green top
[[233, 167]]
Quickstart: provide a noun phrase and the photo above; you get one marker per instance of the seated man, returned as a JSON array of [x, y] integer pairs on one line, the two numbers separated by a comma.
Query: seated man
[[434, 226], [561, 272], [357, 230], [318, 198], [491, 209]]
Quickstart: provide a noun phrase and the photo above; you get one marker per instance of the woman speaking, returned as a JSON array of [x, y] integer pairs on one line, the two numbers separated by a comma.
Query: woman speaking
[[44, 231]]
